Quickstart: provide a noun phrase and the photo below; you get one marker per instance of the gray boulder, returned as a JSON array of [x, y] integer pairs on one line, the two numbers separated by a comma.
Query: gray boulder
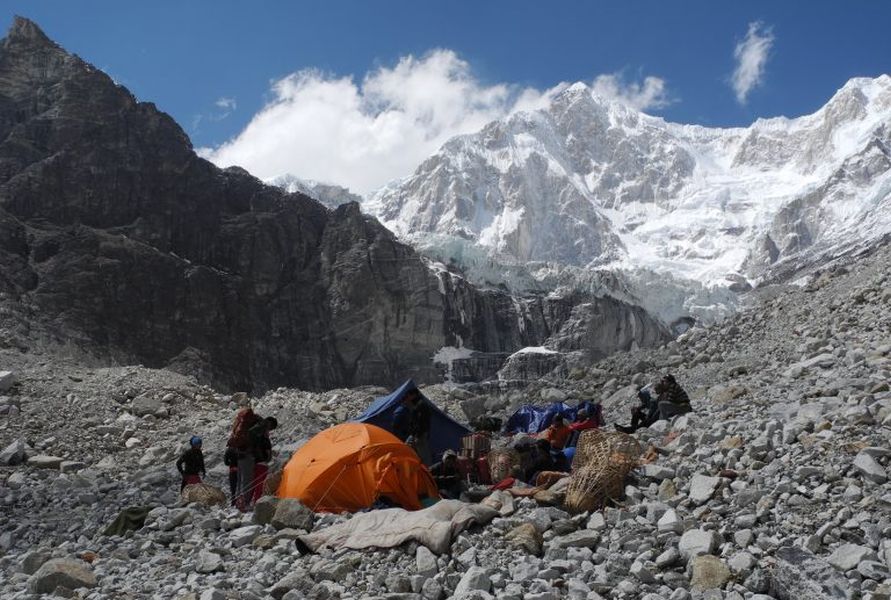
[[7, 380], [290, 513], [696, 542], [44, 461], [870, 468], [264, 509], [848, 556], [13, 454], [474, 579], [61, 572], [800, 574]]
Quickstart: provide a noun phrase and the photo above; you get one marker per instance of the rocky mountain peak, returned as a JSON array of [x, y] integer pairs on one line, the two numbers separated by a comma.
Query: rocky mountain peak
[[24, 30]]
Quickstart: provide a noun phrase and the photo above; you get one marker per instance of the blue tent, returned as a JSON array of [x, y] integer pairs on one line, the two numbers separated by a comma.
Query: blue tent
[[533, 419], [445, 433]]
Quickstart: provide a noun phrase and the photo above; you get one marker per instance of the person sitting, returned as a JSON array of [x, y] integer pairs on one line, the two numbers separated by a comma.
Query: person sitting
[[557, 434], [191, 464], [672, 399], [643, 414], [447, 475], [583, 422], [541, 459]]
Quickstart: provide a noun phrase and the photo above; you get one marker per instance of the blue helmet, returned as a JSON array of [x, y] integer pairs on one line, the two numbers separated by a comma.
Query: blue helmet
[[195, 441]]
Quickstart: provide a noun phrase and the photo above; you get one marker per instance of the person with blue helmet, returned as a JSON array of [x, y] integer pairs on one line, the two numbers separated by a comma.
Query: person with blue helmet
[[191, 464]]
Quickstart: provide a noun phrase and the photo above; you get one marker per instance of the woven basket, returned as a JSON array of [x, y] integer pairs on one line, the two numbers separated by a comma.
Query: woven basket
[[602, 461], [204, 494], [502, 462], [598, 445]]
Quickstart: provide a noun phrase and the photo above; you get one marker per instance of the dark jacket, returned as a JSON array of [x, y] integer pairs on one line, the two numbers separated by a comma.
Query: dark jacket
[[260, 444], [191, 462], [263, 449], [402, 422], [447, 477], [419, 424], [674, 393]]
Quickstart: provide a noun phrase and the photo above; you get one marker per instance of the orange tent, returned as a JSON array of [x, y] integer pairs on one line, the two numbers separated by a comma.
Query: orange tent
[[347, 467]]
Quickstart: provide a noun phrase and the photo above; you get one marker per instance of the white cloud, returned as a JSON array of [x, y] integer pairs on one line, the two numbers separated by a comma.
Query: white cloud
[[751, 56], [649, 95], [226, 104], [363, 134]]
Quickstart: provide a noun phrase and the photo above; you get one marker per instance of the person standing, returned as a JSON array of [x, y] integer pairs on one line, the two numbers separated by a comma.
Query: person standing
[[191, 464], [230, 459], [240, 443], [261, 446], [411, 424]]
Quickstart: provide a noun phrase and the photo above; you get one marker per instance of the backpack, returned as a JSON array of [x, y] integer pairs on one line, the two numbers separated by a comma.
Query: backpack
[[240, 438]]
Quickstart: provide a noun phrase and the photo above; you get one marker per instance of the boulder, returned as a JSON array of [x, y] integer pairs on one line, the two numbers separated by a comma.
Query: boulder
[[527, 537], [7, 380], [848, 556], [474, 579], [13, 454], [702, 487], [147, 405], [264, 509], [61, 572], [696, 542], [709, 572], [870, 468], [290, 513], [799, 574], [244, 535], [33, 560], [44, 461], [425, 562], [208, 562], [670, 522]]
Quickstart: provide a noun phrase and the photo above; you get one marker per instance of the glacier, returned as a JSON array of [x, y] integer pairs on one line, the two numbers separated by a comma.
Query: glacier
[[590, 194]]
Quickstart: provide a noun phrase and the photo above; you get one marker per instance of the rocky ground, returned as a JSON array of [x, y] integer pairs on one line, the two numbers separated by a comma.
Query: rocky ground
[[776, 487]]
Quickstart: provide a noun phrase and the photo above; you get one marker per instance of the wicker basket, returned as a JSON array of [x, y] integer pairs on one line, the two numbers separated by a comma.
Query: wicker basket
[[502, 462], [598, 445], [602, 461]]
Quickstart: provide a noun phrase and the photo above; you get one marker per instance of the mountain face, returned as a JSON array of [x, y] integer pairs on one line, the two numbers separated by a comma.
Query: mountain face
[[328, 194], [118, 240], [588, 182]]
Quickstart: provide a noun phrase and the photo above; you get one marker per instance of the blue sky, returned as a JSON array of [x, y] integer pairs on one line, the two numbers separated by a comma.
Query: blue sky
[[211, 64]]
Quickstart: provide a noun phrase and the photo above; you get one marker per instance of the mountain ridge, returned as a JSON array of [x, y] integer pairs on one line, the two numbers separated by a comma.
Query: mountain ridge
[[121, 242]]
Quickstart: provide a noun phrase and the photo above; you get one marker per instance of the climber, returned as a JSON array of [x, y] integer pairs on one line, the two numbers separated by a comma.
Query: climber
[[447, 475], [191, 463]]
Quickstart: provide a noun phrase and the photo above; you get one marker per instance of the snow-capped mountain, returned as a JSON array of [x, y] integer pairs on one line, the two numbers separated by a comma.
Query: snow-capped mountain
[[328, 194], [588, 182]]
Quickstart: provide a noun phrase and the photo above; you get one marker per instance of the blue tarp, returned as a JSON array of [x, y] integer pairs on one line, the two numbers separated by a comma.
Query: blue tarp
[[445, 433], [534, 419]]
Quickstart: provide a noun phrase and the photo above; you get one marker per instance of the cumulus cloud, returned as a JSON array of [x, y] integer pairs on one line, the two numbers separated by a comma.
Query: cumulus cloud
[[362, 134], [652, 94], [751, 56]]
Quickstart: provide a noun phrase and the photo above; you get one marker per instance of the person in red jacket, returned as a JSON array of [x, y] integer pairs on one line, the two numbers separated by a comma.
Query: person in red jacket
[[557, 434], [584, 421]]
